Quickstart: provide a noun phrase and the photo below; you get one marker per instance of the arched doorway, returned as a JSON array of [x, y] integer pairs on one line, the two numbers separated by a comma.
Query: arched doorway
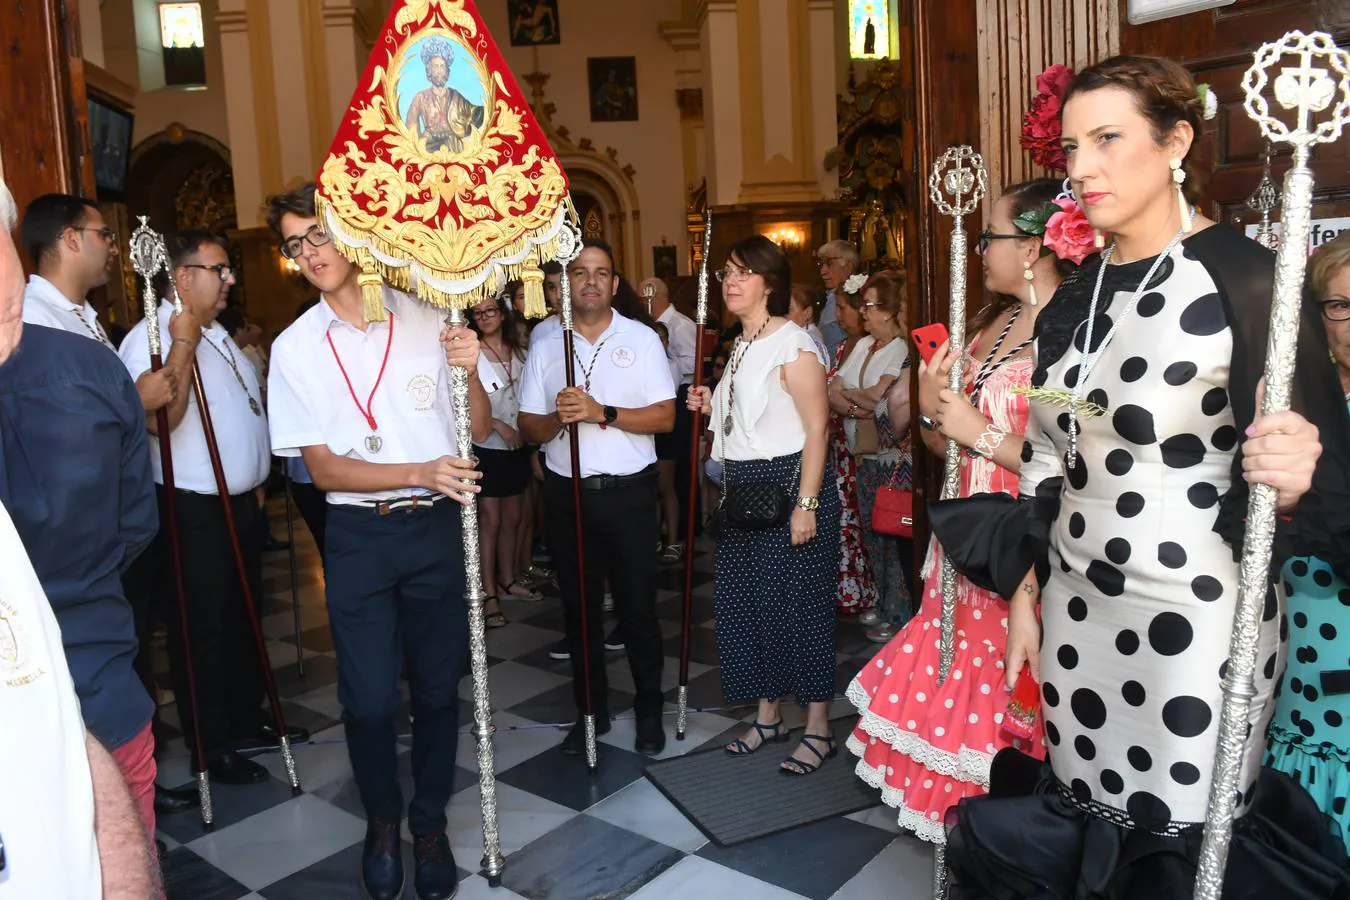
[[182, 179], [607, 208]]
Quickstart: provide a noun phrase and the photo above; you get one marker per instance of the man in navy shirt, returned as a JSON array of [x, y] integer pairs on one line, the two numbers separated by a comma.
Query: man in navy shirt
[[75, 477]]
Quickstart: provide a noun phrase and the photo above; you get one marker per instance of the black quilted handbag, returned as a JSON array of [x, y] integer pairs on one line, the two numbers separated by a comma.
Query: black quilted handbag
[[753, 506]]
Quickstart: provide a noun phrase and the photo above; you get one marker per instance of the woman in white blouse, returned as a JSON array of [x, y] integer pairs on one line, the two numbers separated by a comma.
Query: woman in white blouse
[[775, 586], [856, 391], [502, 458]]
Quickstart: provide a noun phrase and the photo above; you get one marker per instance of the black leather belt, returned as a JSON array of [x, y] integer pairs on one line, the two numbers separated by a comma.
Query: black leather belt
[[611, 482]]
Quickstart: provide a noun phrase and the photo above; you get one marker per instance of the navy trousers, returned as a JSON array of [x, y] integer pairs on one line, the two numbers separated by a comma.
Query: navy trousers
[[396, 591]]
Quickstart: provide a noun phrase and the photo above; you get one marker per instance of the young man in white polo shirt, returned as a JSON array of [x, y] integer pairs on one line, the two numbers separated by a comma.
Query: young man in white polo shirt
[[368, 408], [624, 395]]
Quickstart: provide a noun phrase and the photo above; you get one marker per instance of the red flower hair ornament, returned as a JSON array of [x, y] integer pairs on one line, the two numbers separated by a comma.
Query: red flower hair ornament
[[1040, 126]]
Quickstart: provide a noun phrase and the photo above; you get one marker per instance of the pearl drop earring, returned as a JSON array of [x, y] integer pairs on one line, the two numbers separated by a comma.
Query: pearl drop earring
[[1179, 178], [1031, 288]]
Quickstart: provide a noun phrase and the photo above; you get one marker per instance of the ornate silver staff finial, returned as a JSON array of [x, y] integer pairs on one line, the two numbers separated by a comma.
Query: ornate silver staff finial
[[957, 184], [1317, 84], [1264, 200], [701, 309], [148, 259], [569, 248]]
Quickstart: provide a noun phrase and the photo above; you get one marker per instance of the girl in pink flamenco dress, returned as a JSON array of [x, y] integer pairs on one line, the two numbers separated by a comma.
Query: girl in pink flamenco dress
[[923, 745]]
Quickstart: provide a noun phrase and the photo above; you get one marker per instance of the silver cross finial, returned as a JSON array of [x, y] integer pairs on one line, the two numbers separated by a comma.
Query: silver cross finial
[[958, 181], [1321, 75]]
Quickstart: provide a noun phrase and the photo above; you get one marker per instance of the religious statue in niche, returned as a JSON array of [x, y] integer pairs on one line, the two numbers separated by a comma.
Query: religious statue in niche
[[613, 82], [870, 159], [448, 103], [534, 22], [869, 29]]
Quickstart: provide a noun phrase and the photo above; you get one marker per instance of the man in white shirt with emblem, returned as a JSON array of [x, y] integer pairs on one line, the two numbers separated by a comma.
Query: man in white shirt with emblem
[[75, 252], [623, 396], [367, 406], [229, 686]]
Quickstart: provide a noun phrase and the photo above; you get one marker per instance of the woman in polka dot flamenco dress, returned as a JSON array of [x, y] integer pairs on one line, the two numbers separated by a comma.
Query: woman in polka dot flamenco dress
[[923, 745], [1128, 533], [1309, 736]]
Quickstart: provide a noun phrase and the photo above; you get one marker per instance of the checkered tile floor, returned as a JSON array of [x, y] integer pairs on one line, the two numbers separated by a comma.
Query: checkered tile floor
[[567, 836]]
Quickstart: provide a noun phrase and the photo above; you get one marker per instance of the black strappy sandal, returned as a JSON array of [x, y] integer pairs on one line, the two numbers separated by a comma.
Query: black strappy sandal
[[775, 732], [805, 768]]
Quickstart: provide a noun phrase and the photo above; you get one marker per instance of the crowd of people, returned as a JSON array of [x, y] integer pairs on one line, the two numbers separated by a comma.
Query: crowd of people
[[1108, 435]]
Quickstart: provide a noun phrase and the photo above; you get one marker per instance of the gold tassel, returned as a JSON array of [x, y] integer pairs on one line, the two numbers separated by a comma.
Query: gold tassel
[[533, 276], [372, 287]]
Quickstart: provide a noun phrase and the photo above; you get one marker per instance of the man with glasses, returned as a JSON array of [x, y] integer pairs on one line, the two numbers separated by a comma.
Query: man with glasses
[[837, 260], [75, 252], [624, 395], [229, 686], [367, 406]]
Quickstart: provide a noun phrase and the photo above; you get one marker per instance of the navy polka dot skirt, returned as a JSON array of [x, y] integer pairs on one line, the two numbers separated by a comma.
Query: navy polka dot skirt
[[774, 601]]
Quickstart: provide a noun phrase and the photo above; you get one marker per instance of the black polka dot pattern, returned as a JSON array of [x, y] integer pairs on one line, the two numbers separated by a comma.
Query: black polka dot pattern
[[1137, 615]]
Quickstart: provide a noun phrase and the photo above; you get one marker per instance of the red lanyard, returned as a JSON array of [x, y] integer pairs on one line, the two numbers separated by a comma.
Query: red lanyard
[[504, 363], [368, 409]]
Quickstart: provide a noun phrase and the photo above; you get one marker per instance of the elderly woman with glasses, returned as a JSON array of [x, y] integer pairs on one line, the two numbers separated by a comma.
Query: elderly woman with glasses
[[1309, 735], [858, 390]]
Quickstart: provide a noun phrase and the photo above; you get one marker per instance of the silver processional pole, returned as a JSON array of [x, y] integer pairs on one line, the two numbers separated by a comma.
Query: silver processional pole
[[493, 862], [1317, 82], [959, 174]]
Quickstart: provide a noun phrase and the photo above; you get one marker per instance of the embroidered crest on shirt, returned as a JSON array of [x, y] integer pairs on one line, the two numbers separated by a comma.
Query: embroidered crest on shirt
[[15, 665], [422, 390], [623, 357]]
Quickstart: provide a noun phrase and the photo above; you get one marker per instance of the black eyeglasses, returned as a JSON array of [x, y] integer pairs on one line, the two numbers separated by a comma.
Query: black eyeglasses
[[223, 272], [1337, 309], [291, 248], [987, 236]]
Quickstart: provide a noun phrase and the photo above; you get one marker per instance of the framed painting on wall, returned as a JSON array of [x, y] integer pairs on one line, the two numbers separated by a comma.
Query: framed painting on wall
[[664, 261], [613, 83], [534, 22]]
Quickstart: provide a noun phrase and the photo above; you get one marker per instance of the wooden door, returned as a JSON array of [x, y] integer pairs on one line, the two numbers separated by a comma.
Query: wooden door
[[1217, 47], [44, 146]]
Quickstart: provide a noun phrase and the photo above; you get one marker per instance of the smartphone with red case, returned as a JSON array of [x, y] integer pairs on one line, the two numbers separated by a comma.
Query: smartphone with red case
[[928, 339]]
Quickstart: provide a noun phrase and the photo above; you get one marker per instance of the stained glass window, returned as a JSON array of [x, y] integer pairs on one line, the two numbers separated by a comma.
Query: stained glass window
[[180, 25], [869, 29]]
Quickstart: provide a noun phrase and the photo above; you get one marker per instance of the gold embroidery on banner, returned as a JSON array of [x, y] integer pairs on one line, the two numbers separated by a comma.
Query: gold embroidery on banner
[[479, 196]]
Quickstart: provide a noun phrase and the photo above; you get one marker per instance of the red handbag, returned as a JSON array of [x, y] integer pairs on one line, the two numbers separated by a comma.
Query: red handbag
[[893, 512]]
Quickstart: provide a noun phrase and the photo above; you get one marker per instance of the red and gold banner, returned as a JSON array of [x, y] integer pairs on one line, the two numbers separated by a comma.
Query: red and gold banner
[[440, 181]]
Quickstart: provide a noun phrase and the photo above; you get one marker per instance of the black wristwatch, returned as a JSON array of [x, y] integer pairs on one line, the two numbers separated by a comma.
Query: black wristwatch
[[610, 415]]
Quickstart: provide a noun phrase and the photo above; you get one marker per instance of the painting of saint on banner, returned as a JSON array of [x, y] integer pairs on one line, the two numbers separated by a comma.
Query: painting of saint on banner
[[443, 103]]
